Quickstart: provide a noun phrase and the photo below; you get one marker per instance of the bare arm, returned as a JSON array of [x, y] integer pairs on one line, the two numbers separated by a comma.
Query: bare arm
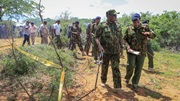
[[101, 49]]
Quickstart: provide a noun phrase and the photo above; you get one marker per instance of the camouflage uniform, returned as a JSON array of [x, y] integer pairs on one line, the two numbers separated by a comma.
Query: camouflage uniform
[[95, 46], [88, 38], [76, 38], [150, 52], [109, 35], [137, 42]]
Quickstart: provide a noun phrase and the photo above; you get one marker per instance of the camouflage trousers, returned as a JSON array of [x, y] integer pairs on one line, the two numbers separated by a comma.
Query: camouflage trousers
[[76, 39], [88, 45], [115, 60]]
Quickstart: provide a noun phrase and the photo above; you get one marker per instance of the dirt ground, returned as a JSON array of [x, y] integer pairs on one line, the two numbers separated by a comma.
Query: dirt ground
[[154, 86], [147, 90]]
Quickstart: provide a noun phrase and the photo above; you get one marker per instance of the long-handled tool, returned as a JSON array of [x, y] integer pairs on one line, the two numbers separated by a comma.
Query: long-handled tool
[[99, 64]]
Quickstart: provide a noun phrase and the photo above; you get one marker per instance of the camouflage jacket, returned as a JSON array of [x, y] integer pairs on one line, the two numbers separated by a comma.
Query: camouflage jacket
[[109, 35], [136, 40], [76, 30], [94, 28], [88, 31]]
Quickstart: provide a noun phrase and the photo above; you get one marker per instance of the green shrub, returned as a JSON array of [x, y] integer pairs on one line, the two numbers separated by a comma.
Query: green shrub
[[155, 46], [22, 66], [64, 40]]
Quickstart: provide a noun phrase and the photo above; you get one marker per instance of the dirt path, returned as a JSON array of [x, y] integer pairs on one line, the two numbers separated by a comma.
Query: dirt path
[[148, 90]]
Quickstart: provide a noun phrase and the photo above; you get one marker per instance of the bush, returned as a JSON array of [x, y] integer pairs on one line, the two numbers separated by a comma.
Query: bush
[[22, 67], [155, 46], [64, 40]]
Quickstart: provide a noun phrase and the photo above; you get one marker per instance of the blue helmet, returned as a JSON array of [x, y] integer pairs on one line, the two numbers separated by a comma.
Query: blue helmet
[[136, 16]]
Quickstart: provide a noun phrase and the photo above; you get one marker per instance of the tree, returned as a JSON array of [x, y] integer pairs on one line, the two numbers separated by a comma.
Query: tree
[[18, 8]]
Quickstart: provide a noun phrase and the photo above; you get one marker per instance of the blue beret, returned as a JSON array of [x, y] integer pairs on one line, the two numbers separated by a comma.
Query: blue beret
[[136, 16], [98, 17]]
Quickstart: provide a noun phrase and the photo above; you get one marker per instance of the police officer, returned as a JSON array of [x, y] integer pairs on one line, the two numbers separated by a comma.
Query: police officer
[[109, 40], [136, 41]]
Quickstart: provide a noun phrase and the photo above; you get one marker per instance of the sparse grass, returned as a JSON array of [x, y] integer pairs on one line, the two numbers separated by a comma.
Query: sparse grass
[[167, 67], [33, 69]]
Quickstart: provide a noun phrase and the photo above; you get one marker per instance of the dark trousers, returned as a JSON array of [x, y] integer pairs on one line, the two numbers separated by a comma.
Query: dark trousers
[[135, 64], [69, 44], [150, 55], [58, 42], [26, 38]]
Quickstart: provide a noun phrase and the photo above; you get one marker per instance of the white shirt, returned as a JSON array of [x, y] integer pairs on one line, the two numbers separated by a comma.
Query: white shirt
[[26, 30], [57, 27]]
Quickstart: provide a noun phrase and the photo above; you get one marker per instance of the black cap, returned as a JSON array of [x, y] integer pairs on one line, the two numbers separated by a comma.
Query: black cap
[[146, 21], [76, 22], [45, 21]]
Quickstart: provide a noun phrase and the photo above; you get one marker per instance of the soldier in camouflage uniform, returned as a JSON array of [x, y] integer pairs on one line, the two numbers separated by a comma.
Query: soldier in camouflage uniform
[[76, 38], [150, 52], [88, 37], [109, 40], [136, 40], [93, 30]]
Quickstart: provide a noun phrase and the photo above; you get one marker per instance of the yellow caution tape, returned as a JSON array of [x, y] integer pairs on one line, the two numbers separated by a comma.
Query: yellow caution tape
[[43, 61], [5, 46], [47, 63], [61, 85]]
